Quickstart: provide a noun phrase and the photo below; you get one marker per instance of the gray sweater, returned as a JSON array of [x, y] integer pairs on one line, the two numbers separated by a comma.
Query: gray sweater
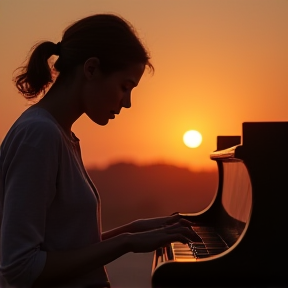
[[47, 200]]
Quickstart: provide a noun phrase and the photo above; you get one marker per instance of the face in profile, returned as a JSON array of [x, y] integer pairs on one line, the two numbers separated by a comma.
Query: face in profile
[[105, 96]]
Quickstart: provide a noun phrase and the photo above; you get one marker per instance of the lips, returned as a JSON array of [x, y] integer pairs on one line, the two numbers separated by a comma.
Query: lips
[[114, 112]]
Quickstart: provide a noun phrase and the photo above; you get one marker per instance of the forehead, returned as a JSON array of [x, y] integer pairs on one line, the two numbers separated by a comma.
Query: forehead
[[131, 74]]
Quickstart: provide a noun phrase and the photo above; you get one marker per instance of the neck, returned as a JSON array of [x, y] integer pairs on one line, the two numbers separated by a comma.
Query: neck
[[62, 101]]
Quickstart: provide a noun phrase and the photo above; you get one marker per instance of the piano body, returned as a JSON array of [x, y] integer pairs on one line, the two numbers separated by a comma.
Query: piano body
[[243, 232]]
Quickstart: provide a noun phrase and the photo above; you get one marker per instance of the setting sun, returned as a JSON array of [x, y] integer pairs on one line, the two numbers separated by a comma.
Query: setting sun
[[192, 138]]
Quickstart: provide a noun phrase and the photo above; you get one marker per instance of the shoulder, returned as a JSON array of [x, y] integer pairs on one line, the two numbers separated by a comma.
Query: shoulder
[[36, 128]]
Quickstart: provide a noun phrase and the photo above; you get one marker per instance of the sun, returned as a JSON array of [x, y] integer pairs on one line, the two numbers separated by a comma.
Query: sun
[[192, 138]]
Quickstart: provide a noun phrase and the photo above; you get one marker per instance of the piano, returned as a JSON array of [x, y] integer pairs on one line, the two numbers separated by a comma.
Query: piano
[[243, 239]]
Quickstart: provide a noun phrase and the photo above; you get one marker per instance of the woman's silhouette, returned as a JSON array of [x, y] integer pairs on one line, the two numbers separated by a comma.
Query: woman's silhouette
[[50, 210]]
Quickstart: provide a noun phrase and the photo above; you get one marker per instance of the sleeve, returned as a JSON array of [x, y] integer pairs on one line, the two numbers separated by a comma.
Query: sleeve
[[29, 186]]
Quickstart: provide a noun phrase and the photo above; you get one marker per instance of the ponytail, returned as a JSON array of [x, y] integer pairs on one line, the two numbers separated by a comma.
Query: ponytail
[[106, 36], [36, 76]]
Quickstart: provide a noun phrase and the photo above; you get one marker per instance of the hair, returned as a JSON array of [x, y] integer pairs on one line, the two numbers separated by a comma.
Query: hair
[[108, 37]]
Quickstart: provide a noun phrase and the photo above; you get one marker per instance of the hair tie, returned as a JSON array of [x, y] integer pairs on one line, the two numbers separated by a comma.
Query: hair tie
[[57, 49]]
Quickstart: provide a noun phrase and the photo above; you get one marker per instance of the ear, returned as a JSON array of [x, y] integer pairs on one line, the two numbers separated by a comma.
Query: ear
[[91, 68]]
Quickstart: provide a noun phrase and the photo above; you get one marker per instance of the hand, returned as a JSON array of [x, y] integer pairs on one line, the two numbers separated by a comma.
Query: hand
[[149, 241], [142, 225]]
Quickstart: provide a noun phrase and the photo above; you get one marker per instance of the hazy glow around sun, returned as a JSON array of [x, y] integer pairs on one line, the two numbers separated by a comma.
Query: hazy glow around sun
[[192, 138]]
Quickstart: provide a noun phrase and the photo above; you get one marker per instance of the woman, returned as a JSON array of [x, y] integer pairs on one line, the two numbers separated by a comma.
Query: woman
[[50, 210]]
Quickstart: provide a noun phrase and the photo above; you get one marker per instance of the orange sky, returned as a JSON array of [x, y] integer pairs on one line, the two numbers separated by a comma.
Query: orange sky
[[218, 63]]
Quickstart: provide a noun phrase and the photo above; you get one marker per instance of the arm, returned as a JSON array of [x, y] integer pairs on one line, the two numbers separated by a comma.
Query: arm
[[128, 228], [60, 265]]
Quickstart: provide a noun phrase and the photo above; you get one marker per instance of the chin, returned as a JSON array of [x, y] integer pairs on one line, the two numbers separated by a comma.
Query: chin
[[101, 122]]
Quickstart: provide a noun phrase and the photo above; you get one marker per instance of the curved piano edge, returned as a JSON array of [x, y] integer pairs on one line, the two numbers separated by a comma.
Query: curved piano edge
[[164, 261], [175, 272], [212, 257], [225, 153], [201, 212]]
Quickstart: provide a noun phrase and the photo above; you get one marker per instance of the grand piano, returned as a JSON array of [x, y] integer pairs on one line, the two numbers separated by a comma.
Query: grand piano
[[243, 239]]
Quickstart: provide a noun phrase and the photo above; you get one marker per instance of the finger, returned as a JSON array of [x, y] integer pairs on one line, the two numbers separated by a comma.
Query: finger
[[178, 228], [177, 218], [174, 213], [185, 222], [186, 231], [179, 224], [172, 226], [173, 219]]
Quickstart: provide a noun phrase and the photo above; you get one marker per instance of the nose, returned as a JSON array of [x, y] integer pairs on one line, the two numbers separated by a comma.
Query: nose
[[126, 101]]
